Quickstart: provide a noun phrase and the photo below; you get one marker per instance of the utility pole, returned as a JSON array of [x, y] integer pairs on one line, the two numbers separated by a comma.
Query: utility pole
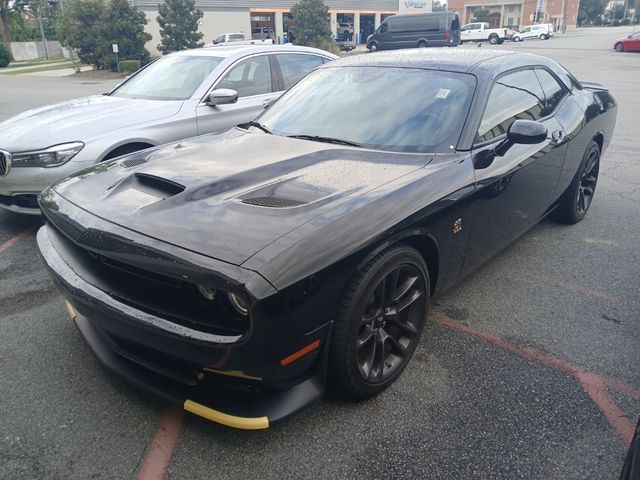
[[43, 36], [564, 16]]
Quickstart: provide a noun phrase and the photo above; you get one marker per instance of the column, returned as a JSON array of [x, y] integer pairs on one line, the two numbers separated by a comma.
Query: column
[[502, 19], [334, 23], [279, 28], [356, 28], [376, 21]]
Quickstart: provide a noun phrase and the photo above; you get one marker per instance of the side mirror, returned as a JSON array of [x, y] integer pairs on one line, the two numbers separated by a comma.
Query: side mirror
[[222, 96], [524, 132]]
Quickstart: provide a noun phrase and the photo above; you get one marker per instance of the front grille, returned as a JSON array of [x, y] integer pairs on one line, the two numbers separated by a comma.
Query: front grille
[[272, 202], [23, 200], [160, 295], [5, 159]]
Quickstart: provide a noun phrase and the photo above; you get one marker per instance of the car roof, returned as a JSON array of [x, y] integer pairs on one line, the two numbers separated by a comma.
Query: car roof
[[484, 60], [226, 51]]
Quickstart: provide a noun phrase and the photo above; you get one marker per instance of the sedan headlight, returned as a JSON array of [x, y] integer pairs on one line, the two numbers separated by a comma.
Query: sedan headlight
[[49, 157]]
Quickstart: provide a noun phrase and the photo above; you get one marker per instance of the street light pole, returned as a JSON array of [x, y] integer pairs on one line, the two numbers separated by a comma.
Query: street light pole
[[43, 36]]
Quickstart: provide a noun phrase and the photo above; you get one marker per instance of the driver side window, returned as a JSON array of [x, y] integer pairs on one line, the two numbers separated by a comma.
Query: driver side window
[[514, 96], [249, 77]]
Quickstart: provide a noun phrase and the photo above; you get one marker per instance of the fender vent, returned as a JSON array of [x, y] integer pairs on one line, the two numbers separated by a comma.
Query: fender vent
[[133, 162], [272, 202]]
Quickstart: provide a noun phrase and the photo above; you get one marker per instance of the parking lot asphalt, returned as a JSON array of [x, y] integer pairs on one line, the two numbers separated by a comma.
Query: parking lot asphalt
[[528, 369]]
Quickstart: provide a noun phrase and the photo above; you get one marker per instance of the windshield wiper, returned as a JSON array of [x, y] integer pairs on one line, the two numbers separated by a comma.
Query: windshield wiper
[[253, 123], [317, 138]]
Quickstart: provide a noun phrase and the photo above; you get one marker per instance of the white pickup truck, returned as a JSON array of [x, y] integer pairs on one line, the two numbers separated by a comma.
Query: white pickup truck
[[239, 39], [481, 32]]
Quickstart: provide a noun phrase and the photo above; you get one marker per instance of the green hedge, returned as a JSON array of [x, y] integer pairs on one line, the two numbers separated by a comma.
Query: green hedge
[[5, 58], [129, 66]]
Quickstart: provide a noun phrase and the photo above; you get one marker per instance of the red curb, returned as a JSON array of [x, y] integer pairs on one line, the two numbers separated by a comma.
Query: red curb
[[595, 385], [157, 458], [15, 239]]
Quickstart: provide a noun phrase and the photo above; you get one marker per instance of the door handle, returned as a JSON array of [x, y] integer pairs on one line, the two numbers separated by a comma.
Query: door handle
[[557, 136]]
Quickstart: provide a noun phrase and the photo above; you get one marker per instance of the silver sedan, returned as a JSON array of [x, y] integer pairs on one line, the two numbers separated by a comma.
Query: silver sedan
[[181, 95]]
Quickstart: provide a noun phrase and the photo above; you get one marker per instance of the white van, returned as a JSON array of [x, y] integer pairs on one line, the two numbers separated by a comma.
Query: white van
[[542, 31]]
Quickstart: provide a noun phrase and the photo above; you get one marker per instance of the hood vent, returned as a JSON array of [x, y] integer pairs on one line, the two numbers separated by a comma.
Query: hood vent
[[133, 162], [272, 202], [157, 186]]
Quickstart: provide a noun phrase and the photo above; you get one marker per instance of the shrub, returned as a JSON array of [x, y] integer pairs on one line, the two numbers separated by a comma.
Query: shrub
[[129, 66], [5, 58], [625, 21]]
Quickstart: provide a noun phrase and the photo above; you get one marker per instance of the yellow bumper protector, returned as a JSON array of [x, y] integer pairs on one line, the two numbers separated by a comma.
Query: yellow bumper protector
[[72, 313], [244, 423]]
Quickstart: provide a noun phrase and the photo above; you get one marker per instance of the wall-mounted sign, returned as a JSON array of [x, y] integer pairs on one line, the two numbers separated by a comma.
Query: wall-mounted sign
[[414, 6]]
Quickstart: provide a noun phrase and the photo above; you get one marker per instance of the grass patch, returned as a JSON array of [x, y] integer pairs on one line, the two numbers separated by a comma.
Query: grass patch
[[45, 68]]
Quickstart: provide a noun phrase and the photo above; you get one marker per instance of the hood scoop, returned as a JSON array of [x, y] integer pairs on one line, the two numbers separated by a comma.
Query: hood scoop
[[157, 186], [134, 162], [273, 202]]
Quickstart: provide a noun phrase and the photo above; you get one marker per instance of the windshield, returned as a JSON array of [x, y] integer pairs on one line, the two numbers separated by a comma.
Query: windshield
[[175, 77], [398, 109]]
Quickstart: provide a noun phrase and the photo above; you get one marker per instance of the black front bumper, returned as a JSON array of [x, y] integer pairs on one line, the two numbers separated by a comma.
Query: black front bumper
[[162, 357]]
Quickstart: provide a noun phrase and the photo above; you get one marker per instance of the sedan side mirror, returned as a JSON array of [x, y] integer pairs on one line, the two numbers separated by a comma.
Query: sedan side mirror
[[524, 132], [222, 96]]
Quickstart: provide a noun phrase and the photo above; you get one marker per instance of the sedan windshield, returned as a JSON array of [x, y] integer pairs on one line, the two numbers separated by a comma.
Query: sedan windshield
[[175, 77], [398, 109]]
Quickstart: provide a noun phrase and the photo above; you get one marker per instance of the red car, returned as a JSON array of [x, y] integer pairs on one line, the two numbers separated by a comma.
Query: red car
[[629, 43]]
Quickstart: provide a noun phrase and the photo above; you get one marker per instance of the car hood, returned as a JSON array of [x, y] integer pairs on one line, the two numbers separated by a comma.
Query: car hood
[[79, 120], [230, 195]]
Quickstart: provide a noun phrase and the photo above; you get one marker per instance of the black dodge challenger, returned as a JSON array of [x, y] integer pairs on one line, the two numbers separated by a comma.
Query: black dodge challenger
[[240, 273]]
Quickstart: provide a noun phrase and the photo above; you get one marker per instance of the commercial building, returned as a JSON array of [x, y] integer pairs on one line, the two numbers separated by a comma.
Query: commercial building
[[519, 13], [361, 17]]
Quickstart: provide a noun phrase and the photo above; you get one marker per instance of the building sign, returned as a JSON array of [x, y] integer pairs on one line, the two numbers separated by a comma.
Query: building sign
[[414, 6]]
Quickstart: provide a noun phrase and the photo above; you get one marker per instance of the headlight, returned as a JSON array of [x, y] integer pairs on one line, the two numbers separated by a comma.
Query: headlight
[[207, 292], [49, 157], [238, 303]]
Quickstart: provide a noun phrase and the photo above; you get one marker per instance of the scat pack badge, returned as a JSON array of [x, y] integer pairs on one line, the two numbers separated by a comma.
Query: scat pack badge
[[457, 226]]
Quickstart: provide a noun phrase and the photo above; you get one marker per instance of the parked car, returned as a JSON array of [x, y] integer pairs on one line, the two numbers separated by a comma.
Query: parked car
[[630, 43], [236, 39], [345, 29], [482, 32], [542, 31], [438, 29], [173, 98], [306, 246]]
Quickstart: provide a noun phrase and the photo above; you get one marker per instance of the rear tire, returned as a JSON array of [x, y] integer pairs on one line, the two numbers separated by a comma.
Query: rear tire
[[619, 47], [493, 39], [577, 199], [422, 44], [380, 317]]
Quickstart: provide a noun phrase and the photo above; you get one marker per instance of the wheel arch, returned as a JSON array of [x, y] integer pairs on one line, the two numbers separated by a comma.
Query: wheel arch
[[128, 146], [599, 139], [422, 241]]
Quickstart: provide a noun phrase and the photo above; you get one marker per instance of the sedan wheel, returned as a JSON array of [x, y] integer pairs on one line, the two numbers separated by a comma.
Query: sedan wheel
[[379, 322], [619, 47], [578, 197]]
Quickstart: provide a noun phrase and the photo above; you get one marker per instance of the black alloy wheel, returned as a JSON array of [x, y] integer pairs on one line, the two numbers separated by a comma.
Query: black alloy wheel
[[577, 199], [588, 181], [379, 322]]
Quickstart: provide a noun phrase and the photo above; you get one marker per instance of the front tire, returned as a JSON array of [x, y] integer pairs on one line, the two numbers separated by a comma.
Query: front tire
[[577, 199], [517, 39], [380, 318], [373, 47], [619, 47], [422, 44]]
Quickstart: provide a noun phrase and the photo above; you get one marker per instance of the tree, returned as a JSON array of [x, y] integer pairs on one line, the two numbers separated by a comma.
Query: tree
[[178, 21], [4, 22], [439, 6], [591, 11], [90, 27], [124, 24], [481, 14], [311, 25]]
